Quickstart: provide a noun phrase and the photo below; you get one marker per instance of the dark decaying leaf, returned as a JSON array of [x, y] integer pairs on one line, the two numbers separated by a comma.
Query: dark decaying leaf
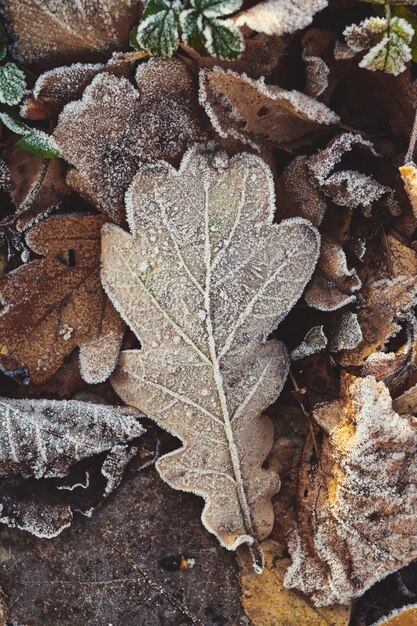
[[115, 128], [356, 503], [143, 559], [56, 303], [314, 341], [43, 439], [50, 32], [244, 108]]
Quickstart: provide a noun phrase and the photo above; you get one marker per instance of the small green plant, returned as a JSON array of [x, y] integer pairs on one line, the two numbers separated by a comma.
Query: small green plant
[[196, 23], [12, 89], [388, 40]]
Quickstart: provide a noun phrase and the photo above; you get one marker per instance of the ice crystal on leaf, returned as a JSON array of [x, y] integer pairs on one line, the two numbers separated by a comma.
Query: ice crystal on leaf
[[387, 42], [277, 17], [116, 127], [12, 84], [202, 280], [356, 512]]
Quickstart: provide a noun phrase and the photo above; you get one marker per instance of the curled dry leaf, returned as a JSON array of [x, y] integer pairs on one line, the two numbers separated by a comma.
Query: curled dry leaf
[[344, 331], [46, 31], [56, 303], [333, 285], [44, 438], [36, 186], [318, 52], [409, 176], [202, 287], [314, 341], [248, 109], [389, 291], [55, 88], [277, 17], [356, 510], [115, 128], [268, 602]]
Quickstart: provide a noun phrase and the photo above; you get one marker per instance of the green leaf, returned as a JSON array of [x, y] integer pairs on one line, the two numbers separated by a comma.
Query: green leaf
[[411, 18], [223, 39], [158, 31], [216, 8], [3, 42], [192, 29], [40, 144], [12, 84], [133, 38]]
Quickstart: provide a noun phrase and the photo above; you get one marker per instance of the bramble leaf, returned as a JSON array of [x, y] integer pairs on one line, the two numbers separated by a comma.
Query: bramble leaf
[[158, 31]]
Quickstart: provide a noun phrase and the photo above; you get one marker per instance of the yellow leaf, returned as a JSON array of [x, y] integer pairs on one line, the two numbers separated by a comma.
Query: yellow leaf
[[407, 616], [268, 603], [409, 175]]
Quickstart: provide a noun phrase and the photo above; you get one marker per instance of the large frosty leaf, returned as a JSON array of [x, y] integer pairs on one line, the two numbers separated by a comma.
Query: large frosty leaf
[[202, 280], [47, 30], [244, 108], [56, 303], [115, 128], [277, 17], [43, 439], [356, 511]]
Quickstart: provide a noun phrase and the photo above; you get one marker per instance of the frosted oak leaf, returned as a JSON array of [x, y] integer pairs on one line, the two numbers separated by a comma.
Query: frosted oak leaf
[[202, 280]]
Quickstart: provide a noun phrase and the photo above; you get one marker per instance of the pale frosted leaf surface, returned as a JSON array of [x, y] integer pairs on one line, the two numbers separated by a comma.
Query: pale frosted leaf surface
[[202, 280], [116, 127], [315, 341], [52, 29], [357, 512], [248, 109], [277, 17], [44, 439], [56, 303], [334, 285]]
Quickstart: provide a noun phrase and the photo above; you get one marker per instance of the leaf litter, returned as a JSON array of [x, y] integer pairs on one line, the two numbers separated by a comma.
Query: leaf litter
[[259, 255]]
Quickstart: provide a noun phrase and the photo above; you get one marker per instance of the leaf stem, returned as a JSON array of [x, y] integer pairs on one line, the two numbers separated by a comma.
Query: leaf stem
[[411, 146]]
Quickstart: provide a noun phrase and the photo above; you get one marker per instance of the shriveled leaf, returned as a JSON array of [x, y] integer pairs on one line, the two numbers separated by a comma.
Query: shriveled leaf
[[387, 42], [56, 303], [47, 32], [143, 558], [355, 511], [36, 186], [12, 84], [202, 280], [158, 31], [277, 17], [299, 195], [244, 108], [115, 128], [334, 285], [389, 291], [42, 439], [344, 331], [268, 602], [314, 341]]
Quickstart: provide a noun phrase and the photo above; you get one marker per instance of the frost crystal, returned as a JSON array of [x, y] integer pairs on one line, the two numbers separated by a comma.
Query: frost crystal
[[12, 84]]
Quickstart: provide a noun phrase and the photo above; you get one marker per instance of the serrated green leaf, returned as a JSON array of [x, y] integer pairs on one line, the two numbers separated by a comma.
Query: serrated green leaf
[[40, 144], [159, 30], [192, 29], [3, 42], [12, 84], [223, 39], [216, 8], [411, 17]]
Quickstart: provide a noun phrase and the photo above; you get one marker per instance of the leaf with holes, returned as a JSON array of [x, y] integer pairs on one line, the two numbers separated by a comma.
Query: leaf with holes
[[56, 303], [202, 280]]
